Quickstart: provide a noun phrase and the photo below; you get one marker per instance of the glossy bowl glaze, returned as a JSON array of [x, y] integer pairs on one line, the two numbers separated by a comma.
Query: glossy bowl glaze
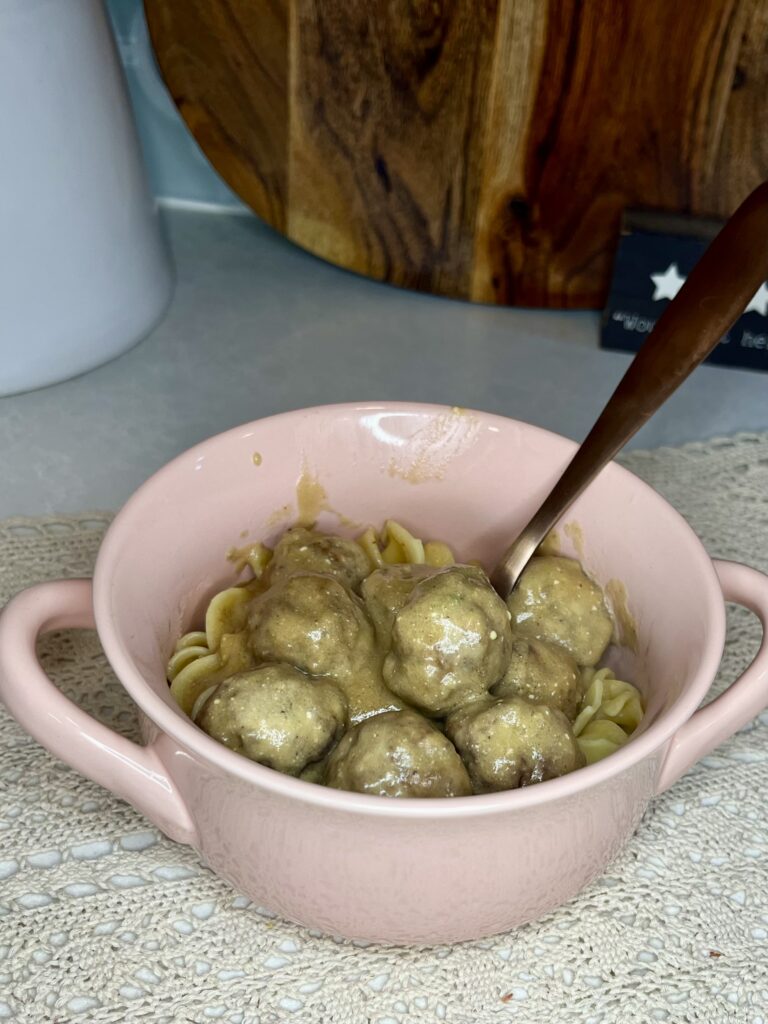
[[354, 865]]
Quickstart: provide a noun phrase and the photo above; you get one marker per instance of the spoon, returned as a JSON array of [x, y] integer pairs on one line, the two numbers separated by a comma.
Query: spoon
[[713, 297]]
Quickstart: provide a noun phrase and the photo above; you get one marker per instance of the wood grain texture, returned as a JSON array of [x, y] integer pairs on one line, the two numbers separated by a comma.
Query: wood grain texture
[[482, 149], [227, 65], [385, 102], [740, 157]]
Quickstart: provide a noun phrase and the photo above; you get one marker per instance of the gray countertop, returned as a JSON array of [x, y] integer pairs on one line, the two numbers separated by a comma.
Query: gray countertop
[[257, 326]]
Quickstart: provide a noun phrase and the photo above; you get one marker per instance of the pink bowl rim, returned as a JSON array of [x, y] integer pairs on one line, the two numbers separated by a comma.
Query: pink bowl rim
[[188, 735]]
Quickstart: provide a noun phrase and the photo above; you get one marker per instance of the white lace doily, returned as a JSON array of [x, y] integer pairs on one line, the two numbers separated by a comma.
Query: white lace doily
[[102, 919]]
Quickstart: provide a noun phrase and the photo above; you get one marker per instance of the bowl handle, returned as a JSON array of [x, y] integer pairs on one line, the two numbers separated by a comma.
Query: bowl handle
[[132, 772], [744, 699]]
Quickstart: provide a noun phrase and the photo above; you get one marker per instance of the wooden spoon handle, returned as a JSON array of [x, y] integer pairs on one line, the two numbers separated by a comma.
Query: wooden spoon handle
[[713, 297]]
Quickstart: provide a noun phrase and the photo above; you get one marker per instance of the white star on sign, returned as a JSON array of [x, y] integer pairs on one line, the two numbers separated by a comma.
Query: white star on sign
[[668, 284], [759, 301]]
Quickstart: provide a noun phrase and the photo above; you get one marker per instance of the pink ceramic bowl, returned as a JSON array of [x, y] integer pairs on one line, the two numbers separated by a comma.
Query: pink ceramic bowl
[[360, 866]]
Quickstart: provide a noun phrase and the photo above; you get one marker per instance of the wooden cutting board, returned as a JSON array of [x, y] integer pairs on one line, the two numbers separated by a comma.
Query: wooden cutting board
[[482, 149]]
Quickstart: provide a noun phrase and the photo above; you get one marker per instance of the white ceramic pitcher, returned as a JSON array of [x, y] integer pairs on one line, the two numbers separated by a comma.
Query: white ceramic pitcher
[[84, 272]]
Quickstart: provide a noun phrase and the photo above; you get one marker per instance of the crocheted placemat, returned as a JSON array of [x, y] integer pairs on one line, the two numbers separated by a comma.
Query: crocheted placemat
[[103, 919]]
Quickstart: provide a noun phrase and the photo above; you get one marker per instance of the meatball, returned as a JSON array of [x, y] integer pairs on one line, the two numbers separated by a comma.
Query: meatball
[[397, 754], [314, 772], [544, 673], [510, 742], [302, 550], [313, 622], [385, 592], [555, 600], [450, 641], [276, 715]]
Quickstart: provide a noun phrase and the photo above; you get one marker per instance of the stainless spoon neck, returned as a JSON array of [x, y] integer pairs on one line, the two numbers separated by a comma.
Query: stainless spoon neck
[[509, 570]]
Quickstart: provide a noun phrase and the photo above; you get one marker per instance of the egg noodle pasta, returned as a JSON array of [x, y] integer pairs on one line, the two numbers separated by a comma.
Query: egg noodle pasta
[[608, 714], [203, 658]]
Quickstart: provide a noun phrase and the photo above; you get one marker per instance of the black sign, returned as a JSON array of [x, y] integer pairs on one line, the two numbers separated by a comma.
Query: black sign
[[655, 254]]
